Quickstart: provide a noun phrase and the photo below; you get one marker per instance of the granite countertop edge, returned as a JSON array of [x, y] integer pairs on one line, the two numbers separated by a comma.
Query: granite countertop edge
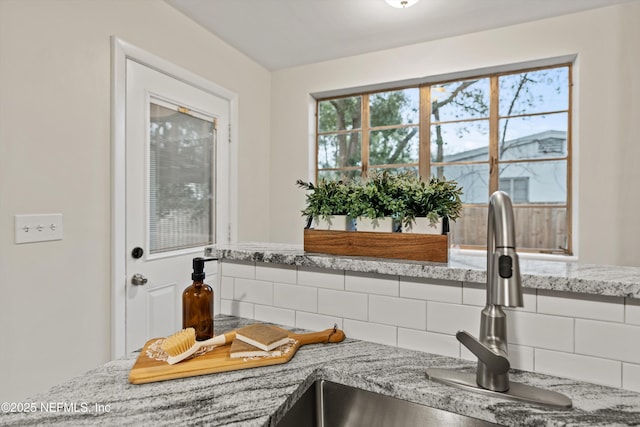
[[561, 276], [260, 396]]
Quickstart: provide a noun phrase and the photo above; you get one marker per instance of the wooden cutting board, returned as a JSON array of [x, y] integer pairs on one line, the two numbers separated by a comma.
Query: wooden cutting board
[[151, 365]]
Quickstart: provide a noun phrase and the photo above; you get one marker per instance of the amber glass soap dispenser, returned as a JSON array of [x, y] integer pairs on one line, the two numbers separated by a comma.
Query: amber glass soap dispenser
[[197, 303]]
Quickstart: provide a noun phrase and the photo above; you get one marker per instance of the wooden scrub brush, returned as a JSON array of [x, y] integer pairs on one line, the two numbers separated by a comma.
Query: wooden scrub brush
[[183, 344]]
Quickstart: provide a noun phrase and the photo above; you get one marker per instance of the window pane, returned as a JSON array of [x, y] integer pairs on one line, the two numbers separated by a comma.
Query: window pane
[[533, 137], [474, 180], [546, 181], [460, 142], [339, 114], [460, 100], [181, 180], [337, 151], [516, 187], [403, 169], [531, 130], [394, 108], [336, 175], [470, 228], [534, 91], [541, 228], [392, 146]]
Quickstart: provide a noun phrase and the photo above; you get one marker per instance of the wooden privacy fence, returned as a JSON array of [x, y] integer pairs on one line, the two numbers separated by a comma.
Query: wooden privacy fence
[[539, 228]]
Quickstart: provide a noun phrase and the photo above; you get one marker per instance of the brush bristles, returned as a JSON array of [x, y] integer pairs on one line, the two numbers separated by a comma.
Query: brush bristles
[[179, 342]]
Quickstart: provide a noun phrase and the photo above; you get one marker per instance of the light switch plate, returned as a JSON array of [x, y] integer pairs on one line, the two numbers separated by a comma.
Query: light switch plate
[[38, 228]]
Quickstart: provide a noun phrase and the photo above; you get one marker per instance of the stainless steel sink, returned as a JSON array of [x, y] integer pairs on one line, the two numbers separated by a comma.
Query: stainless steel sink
[[328, 404]]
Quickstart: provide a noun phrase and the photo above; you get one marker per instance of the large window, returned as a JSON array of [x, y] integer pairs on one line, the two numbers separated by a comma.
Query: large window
[[504, 131]]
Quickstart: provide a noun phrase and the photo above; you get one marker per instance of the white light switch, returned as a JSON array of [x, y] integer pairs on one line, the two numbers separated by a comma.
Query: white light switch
[[38, 228]]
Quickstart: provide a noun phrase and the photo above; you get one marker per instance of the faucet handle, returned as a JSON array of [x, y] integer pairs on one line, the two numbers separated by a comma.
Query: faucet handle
[[494, 361]]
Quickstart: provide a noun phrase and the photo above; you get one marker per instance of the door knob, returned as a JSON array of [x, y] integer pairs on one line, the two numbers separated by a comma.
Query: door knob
[[138, 280]]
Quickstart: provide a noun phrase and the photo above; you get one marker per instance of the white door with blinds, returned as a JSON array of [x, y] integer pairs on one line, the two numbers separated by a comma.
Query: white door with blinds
[[175, 191]]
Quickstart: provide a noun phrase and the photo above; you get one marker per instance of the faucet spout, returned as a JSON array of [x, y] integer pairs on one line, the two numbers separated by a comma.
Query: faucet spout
[[503, 268]]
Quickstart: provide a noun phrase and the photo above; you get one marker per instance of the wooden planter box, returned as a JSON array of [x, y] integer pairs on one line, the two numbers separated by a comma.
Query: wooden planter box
[[415, 247]]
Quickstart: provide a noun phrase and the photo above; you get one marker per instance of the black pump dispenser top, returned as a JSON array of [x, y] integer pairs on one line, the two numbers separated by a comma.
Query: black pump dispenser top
[[198, 268]]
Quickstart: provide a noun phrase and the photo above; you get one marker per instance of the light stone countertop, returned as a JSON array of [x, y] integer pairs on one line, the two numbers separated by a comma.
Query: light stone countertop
[[592, 279], [260, 396]]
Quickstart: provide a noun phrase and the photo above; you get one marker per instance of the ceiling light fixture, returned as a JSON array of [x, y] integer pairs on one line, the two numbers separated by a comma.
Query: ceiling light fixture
[[401, 4]]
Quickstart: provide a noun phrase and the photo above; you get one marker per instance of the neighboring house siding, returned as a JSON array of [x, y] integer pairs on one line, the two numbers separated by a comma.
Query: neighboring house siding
[[546, 180]]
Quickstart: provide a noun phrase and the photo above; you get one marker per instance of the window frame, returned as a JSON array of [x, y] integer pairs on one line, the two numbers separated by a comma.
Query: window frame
[[494, 162]]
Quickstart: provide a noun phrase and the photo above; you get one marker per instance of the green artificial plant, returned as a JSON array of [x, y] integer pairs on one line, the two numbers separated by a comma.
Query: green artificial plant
[[438, 198], [325, 199]]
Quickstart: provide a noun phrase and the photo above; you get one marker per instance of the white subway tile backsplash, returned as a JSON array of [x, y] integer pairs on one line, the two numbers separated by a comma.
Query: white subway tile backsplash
[[450, 318], [382, 334], [236, 308], [474, 294], [217, 291], [632, 311], [521, 357], [226, 287], [529, 301], [631, 377], [316, 322], [590, 338], [585, 306], [430, 342], [540, 330], [398, 311], [321, 278], [280, 316], [608, 340], [246, 270], [585, 368], [295, 297], [350, 305], [211, 268], [256, 291], [432, 290], [371, 283], [225, 308], [276, 273]]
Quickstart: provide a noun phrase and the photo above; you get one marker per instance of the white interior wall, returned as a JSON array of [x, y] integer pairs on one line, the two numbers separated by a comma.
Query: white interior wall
[[605, 138], [55, 73]]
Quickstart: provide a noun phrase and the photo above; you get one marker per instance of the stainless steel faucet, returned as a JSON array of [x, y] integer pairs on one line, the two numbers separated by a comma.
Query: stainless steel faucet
[[504, 289]]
